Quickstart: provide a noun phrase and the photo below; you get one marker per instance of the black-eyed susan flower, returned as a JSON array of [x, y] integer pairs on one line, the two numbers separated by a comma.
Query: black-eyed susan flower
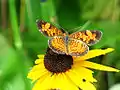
[[63, 72]]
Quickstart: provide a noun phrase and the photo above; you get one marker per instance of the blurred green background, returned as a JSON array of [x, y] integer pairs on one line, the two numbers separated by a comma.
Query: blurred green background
[[21, 42]]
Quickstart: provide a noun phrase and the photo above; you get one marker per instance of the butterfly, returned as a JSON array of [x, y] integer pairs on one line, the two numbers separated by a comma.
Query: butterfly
[[75, 44]]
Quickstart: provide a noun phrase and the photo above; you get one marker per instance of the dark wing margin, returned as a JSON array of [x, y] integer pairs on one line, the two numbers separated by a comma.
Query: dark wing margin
[[97, 38]]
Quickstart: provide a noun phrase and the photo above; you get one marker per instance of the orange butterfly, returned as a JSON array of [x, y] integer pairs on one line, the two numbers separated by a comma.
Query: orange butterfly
[[75, 44]]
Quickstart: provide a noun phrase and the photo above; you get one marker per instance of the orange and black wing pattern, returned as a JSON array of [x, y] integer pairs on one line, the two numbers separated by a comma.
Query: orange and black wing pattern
[[77, 47], [48, 30], [58, 44], [90, 37]]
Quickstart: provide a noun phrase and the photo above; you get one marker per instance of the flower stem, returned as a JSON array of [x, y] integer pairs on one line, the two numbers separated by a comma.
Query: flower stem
[[4, 13], [14, 25], [22, 15]]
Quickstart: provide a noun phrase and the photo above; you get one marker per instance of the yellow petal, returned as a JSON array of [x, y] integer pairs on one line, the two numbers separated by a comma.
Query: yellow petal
[[87, 86], [78, 80], [36, 72], [40, 60], [36, 75], [57, 81], [98, 66], [38, 67], [68, 84], [84, 73], [75, 78], [43, 83], [63, 83], [41, 56], [94, 53]]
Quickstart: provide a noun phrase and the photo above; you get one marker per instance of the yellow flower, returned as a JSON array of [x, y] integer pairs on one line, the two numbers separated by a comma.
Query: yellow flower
[[62, 72]]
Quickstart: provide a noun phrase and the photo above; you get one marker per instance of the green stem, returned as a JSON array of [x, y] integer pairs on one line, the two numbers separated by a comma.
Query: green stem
[[85, 25], [4, 13], [31, 22], [14, 24], [22, 15], [29, 10]]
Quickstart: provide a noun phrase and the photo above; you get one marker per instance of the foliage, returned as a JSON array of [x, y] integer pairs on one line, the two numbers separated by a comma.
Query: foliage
[[21, 42]]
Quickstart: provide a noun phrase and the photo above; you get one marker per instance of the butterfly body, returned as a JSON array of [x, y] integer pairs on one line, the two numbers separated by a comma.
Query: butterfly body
[[75, 44]]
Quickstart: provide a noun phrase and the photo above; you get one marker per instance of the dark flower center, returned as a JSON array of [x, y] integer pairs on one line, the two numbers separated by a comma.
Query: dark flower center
[[57, 63]]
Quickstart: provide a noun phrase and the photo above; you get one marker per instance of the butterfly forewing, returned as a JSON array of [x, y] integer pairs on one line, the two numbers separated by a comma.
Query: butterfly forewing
[[77, 47], [58, 44], [87, 36], [48, 30]]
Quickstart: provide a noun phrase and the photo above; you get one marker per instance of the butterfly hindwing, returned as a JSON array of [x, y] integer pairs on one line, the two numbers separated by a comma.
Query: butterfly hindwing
[[58, 44], [90, 37], [77, 47], [48, 30]]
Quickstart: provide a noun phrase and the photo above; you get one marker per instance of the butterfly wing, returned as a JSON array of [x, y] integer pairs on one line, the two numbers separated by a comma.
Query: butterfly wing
[[58, 44], [87, 36], [48, 30], [77, 47]]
